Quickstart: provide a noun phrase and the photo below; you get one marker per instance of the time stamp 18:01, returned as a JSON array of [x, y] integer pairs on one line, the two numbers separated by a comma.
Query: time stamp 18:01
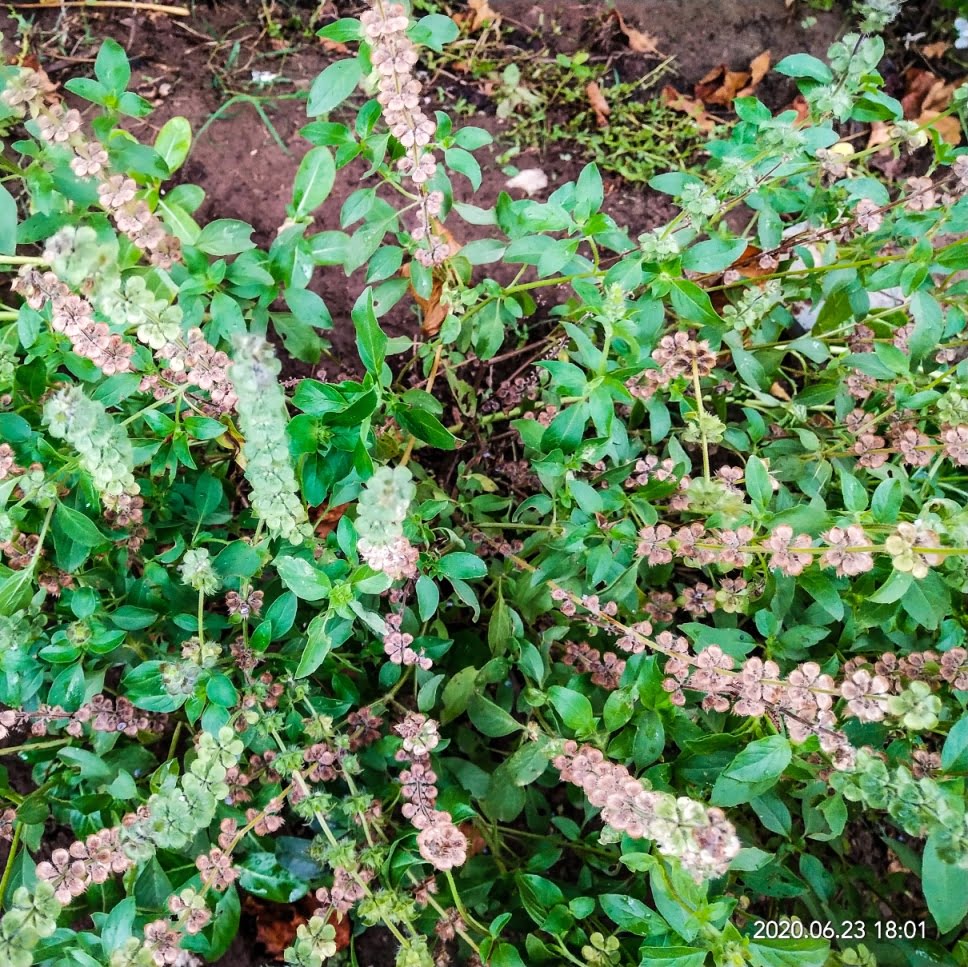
[[845, 930]]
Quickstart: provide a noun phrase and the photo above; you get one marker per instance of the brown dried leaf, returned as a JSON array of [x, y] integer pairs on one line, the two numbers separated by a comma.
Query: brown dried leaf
[[276, 923], [759, 68], [948, 127], [880, 134], [475, 842], [480, 15], [640, 42], [599, 105], [917, 83], [327, 519], [334, 46], [938, 49], [721, 86], [688, 105]]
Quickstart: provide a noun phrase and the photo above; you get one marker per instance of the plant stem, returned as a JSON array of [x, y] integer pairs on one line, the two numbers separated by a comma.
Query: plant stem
[[11, 856], [94, 4], [697, 385], [28, 746]]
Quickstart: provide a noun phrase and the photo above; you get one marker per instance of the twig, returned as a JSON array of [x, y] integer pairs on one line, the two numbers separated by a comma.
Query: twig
[[92, 5]]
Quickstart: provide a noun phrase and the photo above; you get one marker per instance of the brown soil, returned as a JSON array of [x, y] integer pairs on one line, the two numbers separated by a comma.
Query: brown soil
[[191, 66]]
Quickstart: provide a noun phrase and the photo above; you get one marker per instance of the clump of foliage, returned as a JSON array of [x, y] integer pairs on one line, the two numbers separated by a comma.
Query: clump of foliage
[[655, 653], [549, 104]]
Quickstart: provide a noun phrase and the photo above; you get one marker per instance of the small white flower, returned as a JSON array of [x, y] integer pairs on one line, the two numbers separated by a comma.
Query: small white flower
[[961, 25], [263, 77], [530, 180]]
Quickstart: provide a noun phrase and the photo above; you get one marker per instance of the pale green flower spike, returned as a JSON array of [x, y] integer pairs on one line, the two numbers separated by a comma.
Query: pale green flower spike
[[103, 448], [263, 419]]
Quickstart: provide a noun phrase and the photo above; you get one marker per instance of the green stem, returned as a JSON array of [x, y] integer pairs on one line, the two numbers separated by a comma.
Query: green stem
[[29, 746], [459, 903], [697, 386], [11, 856]]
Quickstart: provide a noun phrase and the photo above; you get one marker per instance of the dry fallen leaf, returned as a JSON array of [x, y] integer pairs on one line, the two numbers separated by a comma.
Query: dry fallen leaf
[[599, 105], [925, 98], [880, 134], [938, 49], [948, 127], [480, 15], [327, 519], [640, 42], [721, 85], [688, 105], [759, 68], [475, 842]]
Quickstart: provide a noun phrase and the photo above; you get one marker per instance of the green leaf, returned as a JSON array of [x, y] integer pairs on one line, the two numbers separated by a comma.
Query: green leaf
[[371, 341], [589, 192], [945, 886], [752, 772], [433, 31], [174, 141], [758, 484], [314, 181], [302, 578], [333, 86], [111, 67], [464, 163], [221, 691], [632, 915], [460, 564], [8, 223], [457, 694], [346, 30], [318, 646], [887, 500], [425, 426], [713, 255], [144, 687], [237, 559], [573, 707], [893, 589], [692, 303], [118, 925], [789, 953], [566, 430], [804, 65], [78, 527], [762, 759], [428, 597], [489, 718], [16, 590], [262, 875], [529, 762], [672, 956], [954, 753], [225, 236]]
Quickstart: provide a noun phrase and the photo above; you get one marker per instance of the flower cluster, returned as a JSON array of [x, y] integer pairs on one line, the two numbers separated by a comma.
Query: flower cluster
[[919, 805], [29, 94], [104, 451], [439, 840], [702, 839], [268, 465], [73, 316], [394, 56], [382, 509], [396, 644]]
